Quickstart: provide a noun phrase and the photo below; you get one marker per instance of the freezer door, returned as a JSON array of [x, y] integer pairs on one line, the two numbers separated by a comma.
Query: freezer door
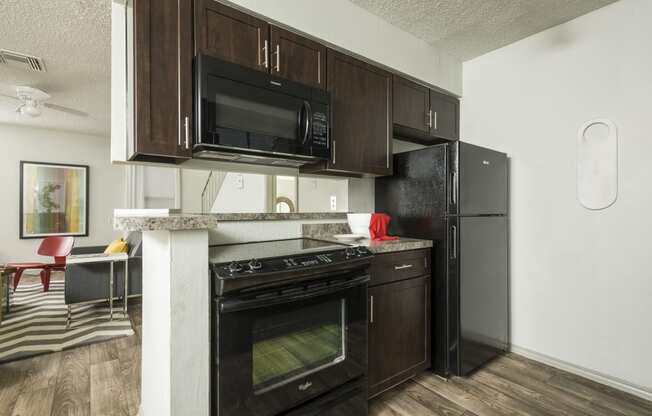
[[415, 196], [482, 181], [483, 280]]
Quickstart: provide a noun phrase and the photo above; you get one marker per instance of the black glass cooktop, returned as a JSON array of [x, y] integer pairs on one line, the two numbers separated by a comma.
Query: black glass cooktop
[[269, 249]]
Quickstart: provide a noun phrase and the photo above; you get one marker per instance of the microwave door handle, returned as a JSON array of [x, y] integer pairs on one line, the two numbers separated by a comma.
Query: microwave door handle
[[306, 133]]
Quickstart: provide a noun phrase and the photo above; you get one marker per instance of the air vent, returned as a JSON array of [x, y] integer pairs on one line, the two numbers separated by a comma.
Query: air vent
[[21, 61]]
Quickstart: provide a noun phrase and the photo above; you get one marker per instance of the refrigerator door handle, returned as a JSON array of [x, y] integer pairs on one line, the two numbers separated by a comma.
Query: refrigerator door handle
[[454, 242], [454, 188]]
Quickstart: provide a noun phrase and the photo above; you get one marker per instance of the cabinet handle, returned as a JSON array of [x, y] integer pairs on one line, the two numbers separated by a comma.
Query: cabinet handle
[[429, 122], [403, 266], [278, 58], [371, 314], [454, 188], [266, 61], [186, 126], [435, 121], [454, 242], [334, 152]]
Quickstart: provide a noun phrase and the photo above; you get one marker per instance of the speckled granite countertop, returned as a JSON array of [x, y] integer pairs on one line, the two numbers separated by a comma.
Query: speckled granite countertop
[[142, 221], [391, 246], [296, 216], [172, 222], [326, 231]]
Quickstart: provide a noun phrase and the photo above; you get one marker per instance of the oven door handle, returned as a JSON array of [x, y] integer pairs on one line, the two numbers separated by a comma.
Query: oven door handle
[[238, 304]]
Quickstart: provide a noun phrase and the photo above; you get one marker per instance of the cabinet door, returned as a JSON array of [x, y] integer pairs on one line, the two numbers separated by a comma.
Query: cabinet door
[[399, 332], [411, 103], [361, 97], [231, 35], [296, 58], [163, 79], [445, 116]]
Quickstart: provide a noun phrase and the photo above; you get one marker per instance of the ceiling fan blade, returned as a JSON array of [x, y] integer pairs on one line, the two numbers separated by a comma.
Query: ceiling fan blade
[[65, 109], [10, 96]]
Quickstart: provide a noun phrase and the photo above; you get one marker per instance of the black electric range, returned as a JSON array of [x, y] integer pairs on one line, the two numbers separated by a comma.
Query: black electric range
[[289, 328], [249, 265]]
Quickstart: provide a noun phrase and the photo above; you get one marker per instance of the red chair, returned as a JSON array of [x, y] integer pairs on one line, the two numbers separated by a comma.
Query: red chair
[[57, 247]]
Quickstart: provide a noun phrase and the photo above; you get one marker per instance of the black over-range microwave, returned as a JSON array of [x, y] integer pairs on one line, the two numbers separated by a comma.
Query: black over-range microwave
[[249, 116]]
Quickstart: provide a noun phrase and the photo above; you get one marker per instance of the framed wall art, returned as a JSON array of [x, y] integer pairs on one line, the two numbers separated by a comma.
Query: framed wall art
[[53, 200]]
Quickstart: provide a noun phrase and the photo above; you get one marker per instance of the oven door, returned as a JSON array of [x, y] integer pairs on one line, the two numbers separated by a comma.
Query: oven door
[[276, 351]]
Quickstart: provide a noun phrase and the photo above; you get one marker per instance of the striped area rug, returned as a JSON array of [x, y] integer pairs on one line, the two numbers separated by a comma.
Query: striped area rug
[[37, 323]]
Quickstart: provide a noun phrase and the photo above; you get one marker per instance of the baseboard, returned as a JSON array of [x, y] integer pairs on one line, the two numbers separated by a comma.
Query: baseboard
[[614, 382]]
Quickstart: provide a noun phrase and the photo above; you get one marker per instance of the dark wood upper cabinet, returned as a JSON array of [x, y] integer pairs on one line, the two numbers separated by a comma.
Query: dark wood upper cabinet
[[296, 58], [399, 332], [162, 80], [411, 105], [242, 39], [445, 116], [361, 113], [231, 35], [423, 115]]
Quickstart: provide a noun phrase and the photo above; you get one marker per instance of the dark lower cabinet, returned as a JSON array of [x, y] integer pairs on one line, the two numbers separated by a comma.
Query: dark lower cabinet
[[231, 35], [162, 80], [399, 327]]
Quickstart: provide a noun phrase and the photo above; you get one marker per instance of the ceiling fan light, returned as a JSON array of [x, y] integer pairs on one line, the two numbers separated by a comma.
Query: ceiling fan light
[[30, 110]]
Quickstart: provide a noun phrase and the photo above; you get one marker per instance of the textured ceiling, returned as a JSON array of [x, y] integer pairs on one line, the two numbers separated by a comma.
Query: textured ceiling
[[73, 38], [469, 28]]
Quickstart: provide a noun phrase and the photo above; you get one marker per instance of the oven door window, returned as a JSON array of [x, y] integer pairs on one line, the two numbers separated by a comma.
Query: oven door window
[[289, 346], [240, 115]]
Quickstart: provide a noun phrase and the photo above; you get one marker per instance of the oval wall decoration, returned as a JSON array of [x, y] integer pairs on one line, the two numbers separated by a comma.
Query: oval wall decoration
[[597, 164]]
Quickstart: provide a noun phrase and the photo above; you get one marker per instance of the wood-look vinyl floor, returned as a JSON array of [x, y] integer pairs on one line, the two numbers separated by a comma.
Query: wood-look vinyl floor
[[104, 379]]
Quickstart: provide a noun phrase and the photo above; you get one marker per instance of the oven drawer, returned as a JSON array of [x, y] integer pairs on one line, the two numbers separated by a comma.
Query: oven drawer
[[391, 267]]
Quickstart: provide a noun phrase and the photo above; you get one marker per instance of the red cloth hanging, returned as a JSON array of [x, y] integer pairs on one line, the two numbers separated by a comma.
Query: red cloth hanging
[[378, 227]]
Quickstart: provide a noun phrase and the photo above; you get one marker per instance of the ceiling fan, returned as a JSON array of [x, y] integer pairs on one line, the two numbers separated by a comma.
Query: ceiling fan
[[33, 100]]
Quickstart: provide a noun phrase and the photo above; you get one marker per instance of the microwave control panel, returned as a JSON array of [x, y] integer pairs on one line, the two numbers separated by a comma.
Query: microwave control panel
[[319, 129]]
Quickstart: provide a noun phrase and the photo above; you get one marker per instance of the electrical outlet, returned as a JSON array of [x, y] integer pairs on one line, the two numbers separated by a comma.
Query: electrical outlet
[[239, 181], [333, 203]]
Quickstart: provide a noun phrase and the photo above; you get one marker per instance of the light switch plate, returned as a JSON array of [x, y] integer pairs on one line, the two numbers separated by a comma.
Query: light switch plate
[[239, 181], [333, 203]]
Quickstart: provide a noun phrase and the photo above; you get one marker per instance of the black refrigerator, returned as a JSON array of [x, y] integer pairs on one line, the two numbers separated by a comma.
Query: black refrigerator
[[456, 195]]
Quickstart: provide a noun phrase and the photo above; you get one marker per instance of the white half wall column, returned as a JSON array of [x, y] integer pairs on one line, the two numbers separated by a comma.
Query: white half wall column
[[175, 314]]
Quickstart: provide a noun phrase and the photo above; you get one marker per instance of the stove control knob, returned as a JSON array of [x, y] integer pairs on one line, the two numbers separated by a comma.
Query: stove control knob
[[255, 264], [362, 251], [349, 252], [234, 267]]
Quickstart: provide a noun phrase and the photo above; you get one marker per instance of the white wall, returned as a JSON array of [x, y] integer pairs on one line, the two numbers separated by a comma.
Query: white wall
[[315, 194], [40, 145], [348, 26], [160, 186], [362, 194], [581, 281], [192, 185], [242, 192]]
